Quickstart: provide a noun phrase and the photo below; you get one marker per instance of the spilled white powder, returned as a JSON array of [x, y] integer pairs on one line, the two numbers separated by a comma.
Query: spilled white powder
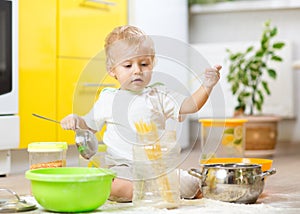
[[199, 206]]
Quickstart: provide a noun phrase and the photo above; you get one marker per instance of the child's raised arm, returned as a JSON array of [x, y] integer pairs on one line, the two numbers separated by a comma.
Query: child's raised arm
[[195, 102]]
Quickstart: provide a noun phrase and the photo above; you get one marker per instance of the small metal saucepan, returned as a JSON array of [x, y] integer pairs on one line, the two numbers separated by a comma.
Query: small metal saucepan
[[231, 182]]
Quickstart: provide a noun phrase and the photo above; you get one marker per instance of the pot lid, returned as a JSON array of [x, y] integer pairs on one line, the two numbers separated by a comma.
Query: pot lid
[[14, 205]]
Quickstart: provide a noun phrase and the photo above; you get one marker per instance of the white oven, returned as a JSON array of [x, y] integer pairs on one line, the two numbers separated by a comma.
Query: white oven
[[9, 119]]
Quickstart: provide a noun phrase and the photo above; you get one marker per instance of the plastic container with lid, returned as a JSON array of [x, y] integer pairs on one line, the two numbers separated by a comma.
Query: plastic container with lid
[[222, 137], [47, 154], [98, 160]]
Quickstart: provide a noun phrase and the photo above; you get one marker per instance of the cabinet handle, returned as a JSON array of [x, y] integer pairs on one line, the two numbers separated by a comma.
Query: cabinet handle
[[87, 84], [103, 2]]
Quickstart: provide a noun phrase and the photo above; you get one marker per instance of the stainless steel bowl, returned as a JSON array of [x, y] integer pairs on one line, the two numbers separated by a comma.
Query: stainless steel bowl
[[231, 182]]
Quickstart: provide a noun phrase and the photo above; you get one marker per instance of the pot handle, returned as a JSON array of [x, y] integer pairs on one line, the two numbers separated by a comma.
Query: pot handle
[[268, 173], [195, 173]]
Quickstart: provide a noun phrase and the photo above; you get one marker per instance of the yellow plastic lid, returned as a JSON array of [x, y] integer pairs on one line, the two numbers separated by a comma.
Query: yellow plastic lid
[[102, 148], [223, 122], [47, 146]]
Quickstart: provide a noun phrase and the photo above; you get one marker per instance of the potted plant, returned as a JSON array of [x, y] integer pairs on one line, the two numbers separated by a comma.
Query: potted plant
[[247, 72]]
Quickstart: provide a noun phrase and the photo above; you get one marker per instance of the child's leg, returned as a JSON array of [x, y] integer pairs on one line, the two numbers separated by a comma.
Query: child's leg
[[122, 187], [189, 186], [121, 190]]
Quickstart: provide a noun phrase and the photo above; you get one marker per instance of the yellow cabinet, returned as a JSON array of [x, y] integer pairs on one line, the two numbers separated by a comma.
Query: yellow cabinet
[[84, 24], [61, 61], [37, 70], [79, 85], [82, 28]]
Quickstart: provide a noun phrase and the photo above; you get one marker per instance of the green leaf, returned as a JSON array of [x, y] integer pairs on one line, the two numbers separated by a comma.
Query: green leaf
[[276, 58], [264, 40], [231, 69], [235, 56], [234, 88], [273, 32], [230, 78], [266, 87], [272, 73], [267, 23], [253, 77], [258, 106], [245, 80], [249, 49], [259, 53], [261, 96], [254, 66], [278, 45], [245, 94]]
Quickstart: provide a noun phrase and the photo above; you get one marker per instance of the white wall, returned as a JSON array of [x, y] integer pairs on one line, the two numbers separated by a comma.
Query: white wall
[[160, 17], [236, 23], [167, 22]]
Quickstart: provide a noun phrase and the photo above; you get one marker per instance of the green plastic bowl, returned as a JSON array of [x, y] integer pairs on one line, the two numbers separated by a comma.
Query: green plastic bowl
[[70, 189]]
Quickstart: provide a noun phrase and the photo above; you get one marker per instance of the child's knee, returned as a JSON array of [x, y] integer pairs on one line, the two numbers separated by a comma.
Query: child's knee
[[121, 190], [189, 185]]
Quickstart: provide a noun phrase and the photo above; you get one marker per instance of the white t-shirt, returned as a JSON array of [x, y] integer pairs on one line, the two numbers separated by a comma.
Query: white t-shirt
[[120, 109]]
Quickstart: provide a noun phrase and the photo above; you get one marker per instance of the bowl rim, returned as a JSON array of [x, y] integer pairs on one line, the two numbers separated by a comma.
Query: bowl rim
[[69, 174]]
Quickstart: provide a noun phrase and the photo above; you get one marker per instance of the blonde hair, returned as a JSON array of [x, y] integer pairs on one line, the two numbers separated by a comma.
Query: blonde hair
[[132, 35]]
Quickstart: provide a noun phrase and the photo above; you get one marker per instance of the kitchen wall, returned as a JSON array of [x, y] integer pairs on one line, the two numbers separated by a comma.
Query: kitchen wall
[[168, 18], [210, 25], [167, 22], [243, 21]]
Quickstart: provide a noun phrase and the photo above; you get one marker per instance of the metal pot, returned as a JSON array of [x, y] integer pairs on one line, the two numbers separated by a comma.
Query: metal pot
[[232, 182]]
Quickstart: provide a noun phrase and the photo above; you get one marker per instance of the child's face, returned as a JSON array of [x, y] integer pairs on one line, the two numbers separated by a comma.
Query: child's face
[[135, 73]]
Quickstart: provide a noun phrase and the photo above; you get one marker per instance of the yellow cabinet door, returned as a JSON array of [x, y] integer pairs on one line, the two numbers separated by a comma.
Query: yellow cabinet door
[[84, 24], [79, 84], [37, 70]]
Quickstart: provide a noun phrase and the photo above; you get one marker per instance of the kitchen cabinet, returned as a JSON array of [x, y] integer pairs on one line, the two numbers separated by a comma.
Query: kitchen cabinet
[[84, 24], [79, 85], [82, 28], [60, 61], [37, 70]]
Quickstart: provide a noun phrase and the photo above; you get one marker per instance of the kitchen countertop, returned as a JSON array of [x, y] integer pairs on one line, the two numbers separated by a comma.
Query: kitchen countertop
[[281, 192]]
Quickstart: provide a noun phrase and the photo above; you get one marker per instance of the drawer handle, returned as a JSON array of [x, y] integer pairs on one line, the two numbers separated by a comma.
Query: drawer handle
[[109, 3], [87, 84]]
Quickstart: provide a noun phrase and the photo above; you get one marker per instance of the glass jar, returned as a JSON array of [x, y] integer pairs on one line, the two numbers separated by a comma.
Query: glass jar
[[155, 177], [47, 154], [222, 138], [98, 160]]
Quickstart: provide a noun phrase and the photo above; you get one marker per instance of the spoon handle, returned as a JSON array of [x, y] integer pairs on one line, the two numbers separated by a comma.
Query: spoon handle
[[45, 118]]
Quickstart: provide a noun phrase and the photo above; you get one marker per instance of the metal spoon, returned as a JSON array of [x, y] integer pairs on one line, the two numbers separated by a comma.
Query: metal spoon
[[45, 118], [86, 141]]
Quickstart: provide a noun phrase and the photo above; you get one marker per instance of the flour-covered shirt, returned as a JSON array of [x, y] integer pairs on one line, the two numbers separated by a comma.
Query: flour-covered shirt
[[121, 109]]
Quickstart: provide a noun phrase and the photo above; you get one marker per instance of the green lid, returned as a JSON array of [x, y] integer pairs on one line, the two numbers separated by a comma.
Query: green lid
[[47, 146], [102, 148]]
